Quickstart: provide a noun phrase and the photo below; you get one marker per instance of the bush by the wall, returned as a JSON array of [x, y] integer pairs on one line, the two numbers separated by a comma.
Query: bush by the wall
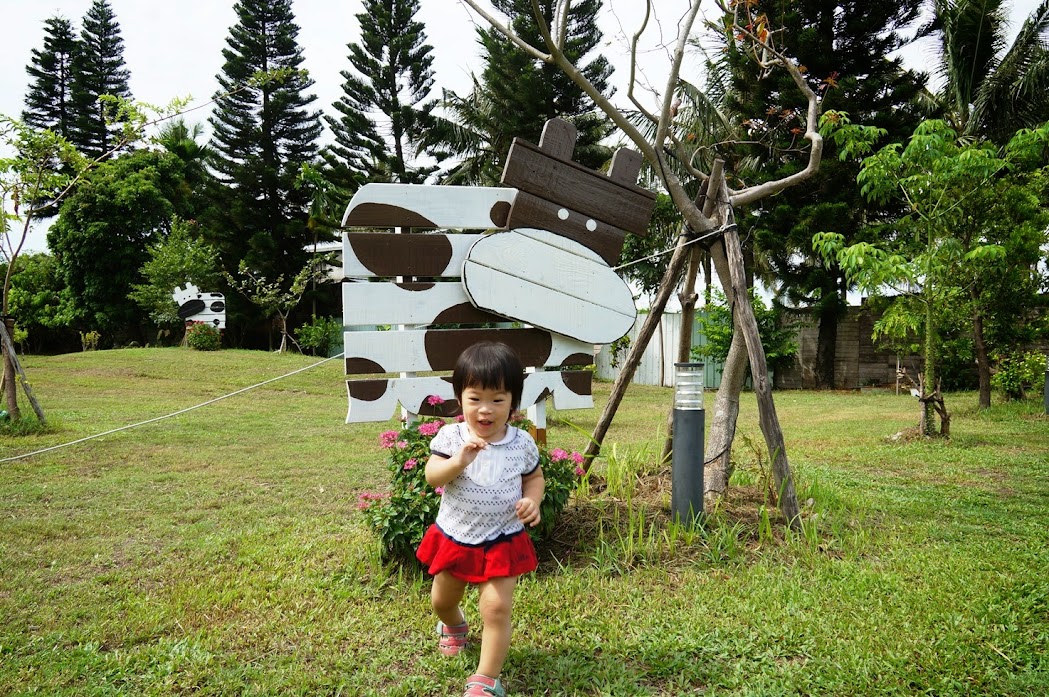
[[1019, 374], [203, 337]]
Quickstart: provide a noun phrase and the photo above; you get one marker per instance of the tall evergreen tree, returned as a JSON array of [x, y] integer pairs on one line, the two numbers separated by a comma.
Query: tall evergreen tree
[[845, 47], [391, 76], [98, 69], [48, 101], [263, 132], [515, 96]]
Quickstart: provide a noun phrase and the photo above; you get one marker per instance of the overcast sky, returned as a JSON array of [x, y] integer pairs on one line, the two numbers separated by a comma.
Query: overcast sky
[[174, 49]]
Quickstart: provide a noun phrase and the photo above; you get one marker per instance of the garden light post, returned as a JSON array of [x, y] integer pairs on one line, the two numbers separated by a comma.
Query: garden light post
[[686, 499]]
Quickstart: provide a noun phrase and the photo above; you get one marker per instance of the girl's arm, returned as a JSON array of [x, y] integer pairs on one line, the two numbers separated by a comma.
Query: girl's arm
[[532, 488]]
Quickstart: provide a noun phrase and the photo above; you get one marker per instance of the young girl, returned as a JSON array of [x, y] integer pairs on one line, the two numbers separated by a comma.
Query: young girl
[[492, 488]]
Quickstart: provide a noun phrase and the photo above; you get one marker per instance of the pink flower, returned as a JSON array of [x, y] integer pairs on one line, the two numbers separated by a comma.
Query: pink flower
[[402, 444], [387, 438], [410, 464], [558, 454], [440, 491], [433, 400], [430, 428], [577, 458], [579, 471], [460, 418]]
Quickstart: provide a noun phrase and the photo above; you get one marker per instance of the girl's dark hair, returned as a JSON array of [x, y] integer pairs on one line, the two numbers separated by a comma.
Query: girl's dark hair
[[489, 365]]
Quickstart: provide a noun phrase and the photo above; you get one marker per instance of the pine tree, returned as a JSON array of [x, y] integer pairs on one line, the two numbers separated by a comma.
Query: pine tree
[[845, 48], [263, 132], [392, 76], [98, 69], [48, 101], [515, 95]]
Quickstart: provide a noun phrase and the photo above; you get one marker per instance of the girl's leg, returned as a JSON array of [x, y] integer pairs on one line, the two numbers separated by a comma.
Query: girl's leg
[[445, 596], [496, 603]]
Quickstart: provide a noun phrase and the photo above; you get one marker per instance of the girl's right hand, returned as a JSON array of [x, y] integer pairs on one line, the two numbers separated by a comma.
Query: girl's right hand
[[471, 448]]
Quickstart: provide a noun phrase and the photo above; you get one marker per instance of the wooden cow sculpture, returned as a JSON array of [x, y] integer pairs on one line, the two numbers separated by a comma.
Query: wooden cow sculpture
[[545, 286], [194, 306]]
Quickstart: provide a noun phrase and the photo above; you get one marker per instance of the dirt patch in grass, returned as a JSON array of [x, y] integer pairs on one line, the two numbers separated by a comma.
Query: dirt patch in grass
[[584, 524]]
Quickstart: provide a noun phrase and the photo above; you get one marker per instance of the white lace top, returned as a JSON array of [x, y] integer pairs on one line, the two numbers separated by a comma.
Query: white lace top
[[478, 505]]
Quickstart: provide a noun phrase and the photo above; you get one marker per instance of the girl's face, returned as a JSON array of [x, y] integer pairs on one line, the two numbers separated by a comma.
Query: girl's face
[[486, 411]]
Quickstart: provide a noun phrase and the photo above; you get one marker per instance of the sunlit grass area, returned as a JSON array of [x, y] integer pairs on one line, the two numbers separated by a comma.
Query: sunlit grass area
[[220, 552]]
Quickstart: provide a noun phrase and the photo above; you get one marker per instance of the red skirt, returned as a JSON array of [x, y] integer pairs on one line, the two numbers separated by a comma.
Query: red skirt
[[511, 556]]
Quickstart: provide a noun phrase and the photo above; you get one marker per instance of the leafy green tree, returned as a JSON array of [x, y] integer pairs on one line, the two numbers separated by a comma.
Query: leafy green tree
[[98, 70], [40, 169], [955, 244], [48, 100], [991, 89], [277, 298], [516, 95], [40, 302], [104, 230], [780, 343], [175, 259], [263, 132], [845, 48], [391, 76]]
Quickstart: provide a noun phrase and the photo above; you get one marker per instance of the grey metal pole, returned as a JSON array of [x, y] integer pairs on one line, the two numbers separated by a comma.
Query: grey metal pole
[[1047, 388], [686, 499]]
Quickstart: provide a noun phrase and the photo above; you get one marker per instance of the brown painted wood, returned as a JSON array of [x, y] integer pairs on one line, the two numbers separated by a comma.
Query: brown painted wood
[[385, 215], [533, 212], [443, 347], [577, 188], [559, 138], [390, 255], [626, 165]]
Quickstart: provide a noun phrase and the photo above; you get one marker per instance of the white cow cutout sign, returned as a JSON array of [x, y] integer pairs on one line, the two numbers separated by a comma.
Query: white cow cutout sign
[[194, 306], [543, 284]]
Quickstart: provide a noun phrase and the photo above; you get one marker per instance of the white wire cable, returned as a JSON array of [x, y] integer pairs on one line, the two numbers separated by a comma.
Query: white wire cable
[[294, 372], [712, 233], [168, 416]]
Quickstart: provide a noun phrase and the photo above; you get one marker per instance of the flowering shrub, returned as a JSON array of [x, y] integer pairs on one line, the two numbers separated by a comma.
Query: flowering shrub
[[203, 336], [401, 516]]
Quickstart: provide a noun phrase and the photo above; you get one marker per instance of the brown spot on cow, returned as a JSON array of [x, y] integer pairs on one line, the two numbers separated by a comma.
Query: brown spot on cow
[[367, 390], [386, 255], [500, 213], [359, 366]]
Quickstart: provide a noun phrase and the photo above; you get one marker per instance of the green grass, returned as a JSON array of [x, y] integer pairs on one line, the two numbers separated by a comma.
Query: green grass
[[220, 552]]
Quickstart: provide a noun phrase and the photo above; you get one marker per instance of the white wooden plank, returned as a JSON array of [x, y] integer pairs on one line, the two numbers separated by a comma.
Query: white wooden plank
[[464, 207], [405, 351], [565, 267], [412, 391], [461, 243], [560, 241], [581, 316], [387, 303]]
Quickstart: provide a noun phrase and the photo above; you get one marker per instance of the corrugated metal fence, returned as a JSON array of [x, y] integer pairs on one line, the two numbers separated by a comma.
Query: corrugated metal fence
[[657, 363]]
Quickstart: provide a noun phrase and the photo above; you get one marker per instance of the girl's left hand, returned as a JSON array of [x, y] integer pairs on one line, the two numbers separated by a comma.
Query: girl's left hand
[[527, 512]]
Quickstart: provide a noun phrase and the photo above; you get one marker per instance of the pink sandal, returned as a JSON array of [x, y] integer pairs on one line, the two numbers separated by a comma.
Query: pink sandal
[[453, 638], [484, 686]]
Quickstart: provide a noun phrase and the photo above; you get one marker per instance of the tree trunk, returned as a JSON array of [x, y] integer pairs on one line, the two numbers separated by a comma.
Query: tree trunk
[[769, 421], [10, 387], [827, 341], [688, 295], [718, 465], [637, 350], [983, 362]]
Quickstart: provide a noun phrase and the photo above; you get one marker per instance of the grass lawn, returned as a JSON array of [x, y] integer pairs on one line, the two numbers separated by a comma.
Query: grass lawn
[[220, 552]]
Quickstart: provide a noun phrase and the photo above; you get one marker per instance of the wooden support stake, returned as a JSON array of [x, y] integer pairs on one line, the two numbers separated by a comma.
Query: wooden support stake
[[10, 347]]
